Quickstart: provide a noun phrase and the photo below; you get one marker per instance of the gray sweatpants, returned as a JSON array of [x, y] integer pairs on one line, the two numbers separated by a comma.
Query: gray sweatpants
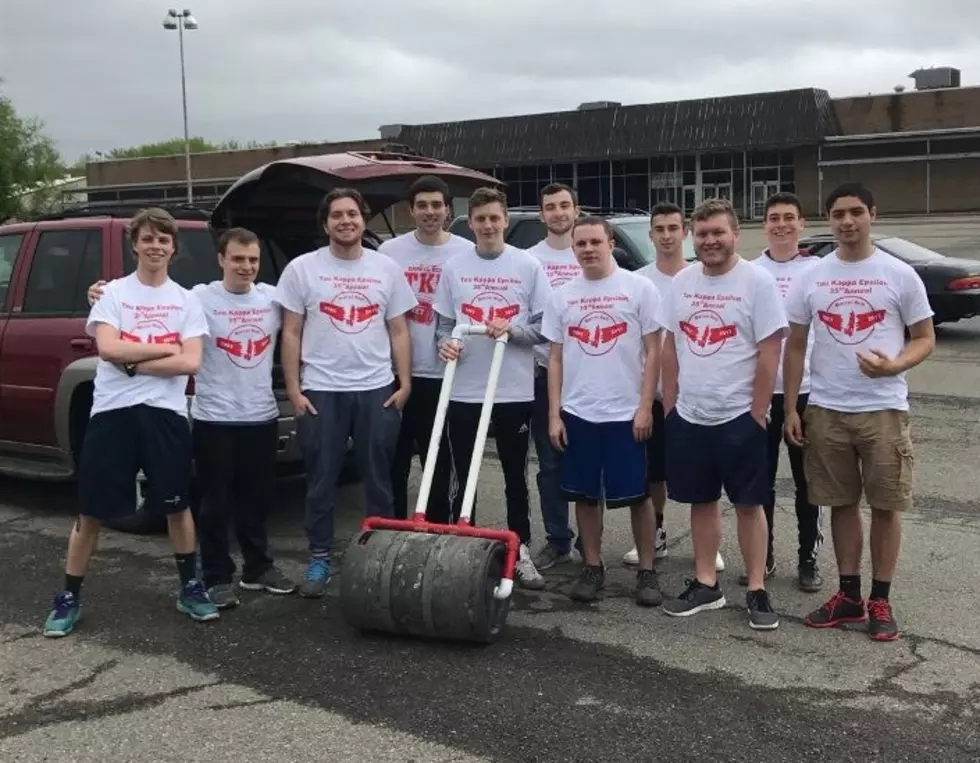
[[340, 415]]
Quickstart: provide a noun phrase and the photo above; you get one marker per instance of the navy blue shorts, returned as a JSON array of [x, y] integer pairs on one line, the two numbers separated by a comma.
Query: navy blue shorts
[[657, 447], [121, 442], [603, 461], [702, 460]]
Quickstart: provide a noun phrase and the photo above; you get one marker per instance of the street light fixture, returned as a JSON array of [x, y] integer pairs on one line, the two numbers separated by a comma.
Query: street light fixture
[[180, 21]]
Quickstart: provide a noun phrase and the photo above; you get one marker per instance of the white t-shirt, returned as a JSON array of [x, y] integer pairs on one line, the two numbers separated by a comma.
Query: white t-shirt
[[234, 384], [786, 273], [422, 265], [560, 267], [717, 322], [165, 314], [855, 307], [476, 290], [347, 305], [600, 325], [663, 282]]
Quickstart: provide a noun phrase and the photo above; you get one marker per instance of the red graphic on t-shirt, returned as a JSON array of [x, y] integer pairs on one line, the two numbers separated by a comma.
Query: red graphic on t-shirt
[[150, 332], [245, 345], [423, 281], [851, 320], [350, 311], [422, 313], [598, 332], [707, 332], [486, 306]]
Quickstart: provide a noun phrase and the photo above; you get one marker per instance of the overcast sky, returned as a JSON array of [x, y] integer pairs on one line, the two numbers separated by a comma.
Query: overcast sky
[[104, 74]]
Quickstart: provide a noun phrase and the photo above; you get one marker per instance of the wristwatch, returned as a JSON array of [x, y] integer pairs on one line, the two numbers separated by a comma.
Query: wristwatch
[[130, 369]]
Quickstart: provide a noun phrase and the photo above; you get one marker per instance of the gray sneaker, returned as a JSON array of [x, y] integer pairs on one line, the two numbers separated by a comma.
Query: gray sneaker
[[647, 589], [697, 597], [590, 582], [223, 596], [549, 556], [762, 616], [271, 581]]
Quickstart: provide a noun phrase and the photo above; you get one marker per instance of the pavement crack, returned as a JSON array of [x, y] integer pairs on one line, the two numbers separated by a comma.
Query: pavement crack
[[44, 710], [248, 703]]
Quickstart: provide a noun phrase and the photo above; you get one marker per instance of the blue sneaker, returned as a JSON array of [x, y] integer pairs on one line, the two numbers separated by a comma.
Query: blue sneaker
[[314, 585], [64, 615], [195, 602]]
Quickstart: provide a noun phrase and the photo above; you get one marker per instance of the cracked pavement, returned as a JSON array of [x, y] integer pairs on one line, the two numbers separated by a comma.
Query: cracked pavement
[[285, 679]]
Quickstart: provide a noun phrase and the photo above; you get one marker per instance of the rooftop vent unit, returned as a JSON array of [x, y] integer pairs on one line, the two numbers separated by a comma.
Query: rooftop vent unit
[[936, 77], [388, 132], [594, 105]]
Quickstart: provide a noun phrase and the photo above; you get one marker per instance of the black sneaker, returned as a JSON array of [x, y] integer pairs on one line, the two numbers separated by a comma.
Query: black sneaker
[[839, 609], [808, 577], [881, 622], [271, 581], [697, 597], [762, 616], [647, 589], [590, 582], [743, 579]]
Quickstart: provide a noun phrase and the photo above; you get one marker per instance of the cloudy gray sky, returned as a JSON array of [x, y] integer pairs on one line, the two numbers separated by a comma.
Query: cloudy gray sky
[[104, 74]]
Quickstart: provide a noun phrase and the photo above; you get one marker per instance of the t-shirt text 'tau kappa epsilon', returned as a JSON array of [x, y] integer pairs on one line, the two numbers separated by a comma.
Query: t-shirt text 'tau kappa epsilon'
[[560, 267], [851, 308], [422, 265], [477, 290], [600, 325], [717, 323], [165, 314], [347, 304], [235, 381]]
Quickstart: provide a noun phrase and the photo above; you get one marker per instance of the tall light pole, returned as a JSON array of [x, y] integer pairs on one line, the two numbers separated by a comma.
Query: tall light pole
[[181, 21]]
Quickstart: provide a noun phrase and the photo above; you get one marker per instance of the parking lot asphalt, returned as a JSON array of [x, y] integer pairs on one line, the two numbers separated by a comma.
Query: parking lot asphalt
[[286, 679]]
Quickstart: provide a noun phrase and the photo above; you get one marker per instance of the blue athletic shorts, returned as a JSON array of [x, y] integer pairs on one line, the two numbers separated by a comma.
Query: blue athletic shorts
[[703, 460], [603, 461]]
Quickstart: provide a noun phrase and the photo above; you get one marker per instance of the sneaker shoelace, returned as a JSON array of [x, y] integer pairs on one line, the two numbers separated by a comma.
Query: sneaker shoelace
[[646, 579], [834, 602], [317, 570], [880, 610], [760, 601], [195, 591], [690, 592], [64, 602]]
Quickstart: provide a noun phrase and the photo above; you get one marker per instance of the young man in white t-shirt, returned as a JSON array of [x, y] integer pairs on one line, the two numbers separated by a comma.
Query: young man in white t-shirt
[[726, 325], [604, 327], [235, 415], [344, 326], [421, 255], [559, 210], [858, 301], [787, 263], [149, 333], [507, 290], [667, 234]]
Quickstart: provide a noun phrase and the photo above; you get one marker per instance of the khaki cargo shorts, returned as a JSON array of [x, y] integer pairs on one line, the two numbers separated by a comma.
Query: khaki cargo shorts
[[846, 453]]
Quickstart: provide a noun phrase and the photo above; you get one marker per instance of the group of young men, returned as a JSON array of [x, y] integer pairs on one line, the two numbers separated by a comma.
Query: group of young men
[[672, 380]]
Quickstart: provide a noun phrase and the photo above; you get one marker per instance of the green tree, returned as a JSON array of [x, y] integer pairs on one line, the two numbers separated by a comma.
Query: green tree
[[173, 147], [29, 164]]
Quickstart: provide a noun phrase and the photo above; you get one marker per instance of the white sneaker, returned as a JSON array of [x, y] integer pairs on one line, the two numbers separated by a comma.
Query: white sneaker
[[631, 558], [719, 563], [527, 574], [661, 542]]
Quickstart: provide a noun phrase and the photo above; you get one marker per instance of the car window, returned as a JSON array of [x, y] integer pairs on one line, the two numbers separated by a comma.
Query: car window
[[9, 246], [196, 260], [527, 233], [65, 263]]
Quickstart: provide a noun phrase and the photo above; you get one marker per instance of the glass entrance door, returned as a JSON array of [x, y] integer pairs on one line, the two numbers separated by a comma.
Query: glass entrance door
[[762, 190], [690, 199]]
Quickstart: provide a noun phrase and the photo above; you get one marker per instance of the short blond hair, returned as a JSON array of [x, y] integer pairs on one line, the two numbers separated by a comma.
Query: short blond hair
[[712, 208]]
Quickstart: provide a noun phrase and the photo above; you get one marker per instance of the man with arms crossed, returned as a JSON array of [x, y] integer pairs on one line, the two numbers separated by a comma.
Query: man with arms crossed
[[859, 300], [343, 323], [787, 263], [604, 328], [559, 210], [726, 325], [235, 413], [421, 255], [667, 234], [149, 332], [505, 289]]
